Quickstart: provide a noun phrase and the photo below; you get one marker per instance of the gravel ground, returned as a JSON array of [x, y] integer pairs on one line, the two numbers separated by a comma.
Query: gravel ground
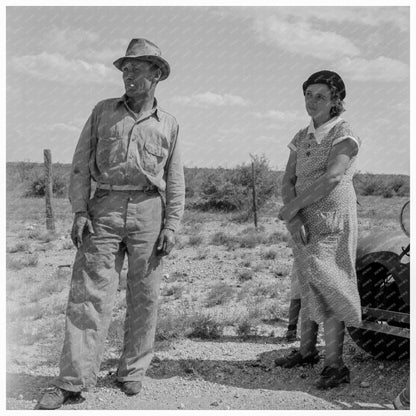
[[226, 374]]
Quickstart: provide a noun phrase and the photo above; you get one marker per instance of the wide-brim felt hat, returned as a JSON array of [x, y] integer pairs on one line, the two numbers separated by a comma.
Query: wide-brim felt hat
[[330, 78], [143, 49]]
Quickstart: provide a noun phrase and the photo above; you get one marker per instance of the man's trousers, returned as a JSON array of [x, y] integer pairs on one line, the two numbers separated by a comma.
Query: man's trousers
[[124, 222]]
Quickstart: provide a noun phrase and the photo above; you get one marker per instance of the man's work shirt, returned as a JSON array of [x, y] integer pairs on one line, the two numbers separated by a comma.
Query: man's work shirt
[[118, 147]]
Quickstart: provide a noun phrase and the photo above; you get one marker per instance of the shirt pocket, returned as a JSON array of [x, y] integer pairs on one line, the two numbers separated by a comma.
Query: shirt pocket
[[154, 157]]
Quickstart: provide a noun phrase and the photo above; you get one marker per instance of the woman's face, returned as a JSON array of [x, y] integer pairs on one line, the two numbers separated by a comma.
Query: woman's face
[[318, 101]]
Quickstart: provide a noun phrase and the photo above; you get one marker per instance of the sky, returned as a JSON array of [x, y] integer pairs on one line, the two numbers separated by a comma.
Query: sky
[[236, 76]]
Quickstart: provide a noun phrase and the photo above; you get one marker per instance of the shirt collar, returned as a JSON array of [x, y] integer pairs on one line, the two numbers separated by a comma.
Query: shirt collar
[[153, 111], [323, 130]]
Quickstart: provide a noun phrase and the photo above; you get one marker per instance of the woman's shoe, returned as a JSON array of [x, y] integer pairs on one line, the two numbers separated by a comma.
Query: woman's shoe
[[291, 335], [295, 358], [333, 377]]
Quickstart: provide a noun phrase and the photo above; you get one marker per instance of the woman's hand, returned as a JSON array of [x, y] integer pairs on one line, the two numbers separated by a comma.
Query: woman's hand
[[288, 212], [297, 230]]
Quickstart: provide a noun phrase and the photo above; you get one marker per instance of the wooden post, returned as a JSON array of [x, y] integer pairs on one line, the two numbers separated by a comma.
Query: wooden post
[[253, 174], [50, 222]]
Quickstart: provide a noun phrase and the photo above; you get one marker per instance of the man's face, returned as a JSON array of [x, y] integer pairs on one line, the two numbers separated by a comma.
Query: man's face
[[138, 77]]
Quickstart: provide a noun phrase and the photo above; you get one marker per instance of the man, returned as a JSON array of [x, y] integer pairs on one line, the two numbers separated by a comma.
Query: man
[[129, 149]]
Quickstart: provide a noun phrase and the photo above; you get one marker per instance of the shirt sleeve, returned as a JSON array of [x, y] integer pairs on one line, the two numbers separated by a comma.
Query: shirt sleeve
[[293, 144], [345, 132], [175, 185], [80, 180]]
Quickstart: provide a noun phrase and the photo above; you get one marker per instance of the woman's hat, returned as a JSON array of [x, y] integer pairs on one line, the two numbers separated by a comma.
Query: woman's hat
[[330, 78], [145, 50]]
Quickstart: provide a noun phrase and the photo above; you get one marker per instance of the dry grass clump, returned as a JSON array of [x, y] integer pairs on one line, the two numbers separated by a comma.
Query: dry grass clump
[[205, 327], [67, 245], [19, 247], [219, 294], [18, 263], [278, 237], [44, 236], [270, 254], [174, 291], [31, 311], [245, 275], [201, 254], [195, 240]]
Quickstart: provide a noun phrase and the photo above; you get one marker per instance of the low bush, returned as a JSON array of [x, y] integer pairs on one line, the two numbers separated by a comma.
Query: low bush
[[231, 189], [219, 294], [205, 327], [18, 263]]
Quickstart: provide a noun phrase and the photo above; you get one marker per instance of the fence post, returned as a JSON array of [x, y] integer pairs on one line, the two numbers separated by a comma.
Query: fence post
[[50, 222], [253, 174]]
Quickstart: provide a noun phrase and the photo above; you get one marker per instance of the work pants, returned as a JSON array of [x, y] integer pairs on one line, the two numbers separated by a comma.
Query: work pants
[[124, 222]]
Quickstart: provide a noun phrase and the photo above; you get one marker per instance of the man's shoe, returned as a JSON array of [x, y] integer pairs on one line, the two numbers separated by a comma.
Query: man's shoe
[[332, 377], [295, 358], [54, 397], [131, 388]]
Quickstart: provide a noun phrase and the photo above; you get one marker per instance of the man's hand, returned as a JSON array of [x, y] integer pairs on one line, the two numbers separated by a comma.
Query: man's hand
[[297, 230], [81, 221], [165, 242]]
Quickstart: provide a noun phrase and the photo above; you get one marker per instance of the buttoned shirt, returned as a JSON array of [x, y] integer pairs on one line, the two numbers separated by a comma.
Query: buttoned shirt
[[120, 147]]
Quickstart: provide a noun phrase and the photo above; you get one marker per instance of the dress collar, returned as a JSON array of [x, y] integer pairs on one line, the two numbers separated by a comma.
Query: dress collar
[[323, 130]]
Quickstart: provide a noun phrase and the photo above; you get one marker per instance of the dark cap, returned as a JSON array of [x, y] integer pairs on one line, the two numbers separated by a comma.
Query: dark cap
[[330, 78]]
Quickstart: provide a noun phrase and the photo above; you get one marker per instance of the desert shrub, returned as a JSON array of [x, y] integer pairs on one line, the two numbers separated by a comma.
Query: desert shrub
[[67, 245], [201, 254], [36, 184], [245, 328], [278, 237], [251, 239], [175, 291], [270, 254], [384, 185], [42, 235], [205, 327], [231, 189], [244, 275], [219, 294], [189, 192], [19, 263], [19, 247], [195, 240]]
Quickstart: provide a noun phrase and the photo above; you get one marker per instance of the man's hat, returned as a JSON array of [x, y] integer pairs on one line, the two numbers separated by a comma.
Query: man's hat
[[330, 78], [145, 50]]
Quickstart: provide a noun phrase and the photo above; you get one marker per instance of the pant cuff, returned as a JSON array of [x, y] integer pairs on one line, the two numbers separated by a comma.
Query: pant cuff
[[68, 386]]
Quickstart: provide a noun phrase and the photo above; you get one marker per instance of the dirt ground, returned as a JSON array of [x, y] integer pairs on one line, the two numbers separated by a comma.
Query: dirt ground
[[234, 371]]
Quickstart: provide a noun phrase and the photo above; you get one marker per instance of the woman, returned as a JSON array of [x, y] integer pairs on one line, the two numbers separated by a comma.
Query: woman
[[320, 214]]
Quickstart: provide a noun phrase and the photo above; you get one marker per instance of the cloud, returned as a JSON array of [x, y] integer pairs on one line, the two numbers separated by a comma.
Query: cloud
[[210, 99], [301, 38], [379, 69], [276, 115], [366, 16], [64, 127], [68, 40], [56, 67]]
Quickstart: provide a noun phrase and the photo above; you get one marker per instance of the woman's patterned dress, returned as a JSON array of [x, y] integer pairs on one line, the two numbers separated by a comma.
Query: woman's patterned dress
[[325, 266]]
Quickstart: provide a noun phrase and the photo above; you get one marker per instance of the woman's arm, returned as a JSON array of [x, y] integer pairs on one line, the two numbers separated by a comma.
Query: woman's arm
[[338, 162], [289, 179]]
